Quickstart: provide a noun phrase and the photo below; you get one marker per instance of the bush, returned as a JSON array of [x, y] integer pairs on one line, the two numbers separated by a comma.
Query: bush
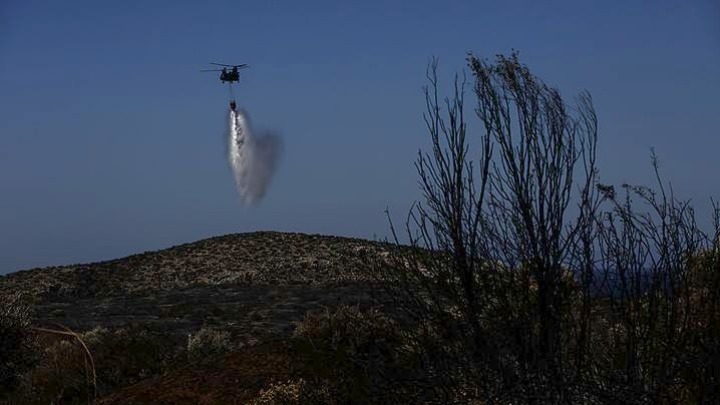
[[207, 343], [18, 344], [352, 353], [62, 375], [128, 355], [293, 392], [121, 357]]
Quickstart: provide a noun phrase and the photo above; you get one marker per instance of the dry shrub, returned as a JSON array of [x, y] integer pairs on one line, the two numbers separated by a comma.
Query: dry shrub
[[207, 343], [129, 355], [18, 344], [292, 392], [62, 376], [354, 354], [121, 357]]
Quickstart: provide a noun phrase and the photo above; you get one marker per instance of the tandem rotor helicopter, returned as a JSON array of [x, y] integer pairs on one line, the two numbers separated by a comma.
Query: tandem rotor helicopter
[[229, 76]]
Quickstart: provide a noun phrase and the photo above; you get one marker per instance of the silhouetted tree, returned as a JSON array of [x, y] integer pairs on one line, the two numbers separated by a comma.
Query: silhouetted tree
[[528, 279], [492, 242]]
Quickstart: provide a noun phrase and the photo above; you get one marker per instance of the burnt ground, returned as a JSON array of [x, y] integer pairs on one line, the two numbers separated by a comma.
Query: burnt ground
[[255, 311]]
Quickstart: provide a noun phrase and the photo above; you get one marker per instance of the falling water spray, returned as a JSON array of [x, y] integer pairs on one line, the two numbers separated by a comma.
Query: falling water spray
[[253, 157]]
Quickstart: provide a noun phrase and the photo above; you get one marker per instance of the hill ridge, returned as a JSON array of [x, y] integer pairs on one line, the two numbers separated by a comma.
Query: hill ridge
[[260, 257]]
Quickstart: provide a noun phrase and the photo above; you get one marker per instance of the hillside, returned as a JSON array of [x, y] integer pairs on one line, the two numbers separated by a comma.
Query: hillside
[[251, 258], [255, 281], [255, 287]]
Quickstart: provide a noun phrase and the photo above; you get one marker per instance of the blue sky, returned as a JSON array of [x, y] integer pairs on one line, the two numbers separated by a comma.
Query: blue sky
[[112, 142]]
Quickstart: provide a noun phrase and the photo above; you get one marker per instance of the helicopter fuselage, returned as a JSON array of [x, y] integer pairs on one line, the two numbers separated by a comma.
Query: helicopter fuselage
[[230, 77]]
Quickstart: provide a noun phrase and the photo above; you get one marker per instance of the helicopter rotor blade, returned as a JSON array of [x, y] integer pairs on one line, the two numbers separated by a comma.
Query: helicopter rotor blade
[[211, 70], [241, 66]]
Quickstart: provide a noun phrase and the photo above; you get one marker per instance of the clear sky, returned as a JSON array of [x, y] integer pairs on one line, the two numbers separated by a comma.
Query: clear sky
[[112, 141]]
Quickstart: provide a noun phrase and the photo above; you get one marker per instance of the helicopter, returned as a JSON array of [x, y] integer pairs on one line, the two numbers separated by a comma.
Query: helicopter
[[229, 76]]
